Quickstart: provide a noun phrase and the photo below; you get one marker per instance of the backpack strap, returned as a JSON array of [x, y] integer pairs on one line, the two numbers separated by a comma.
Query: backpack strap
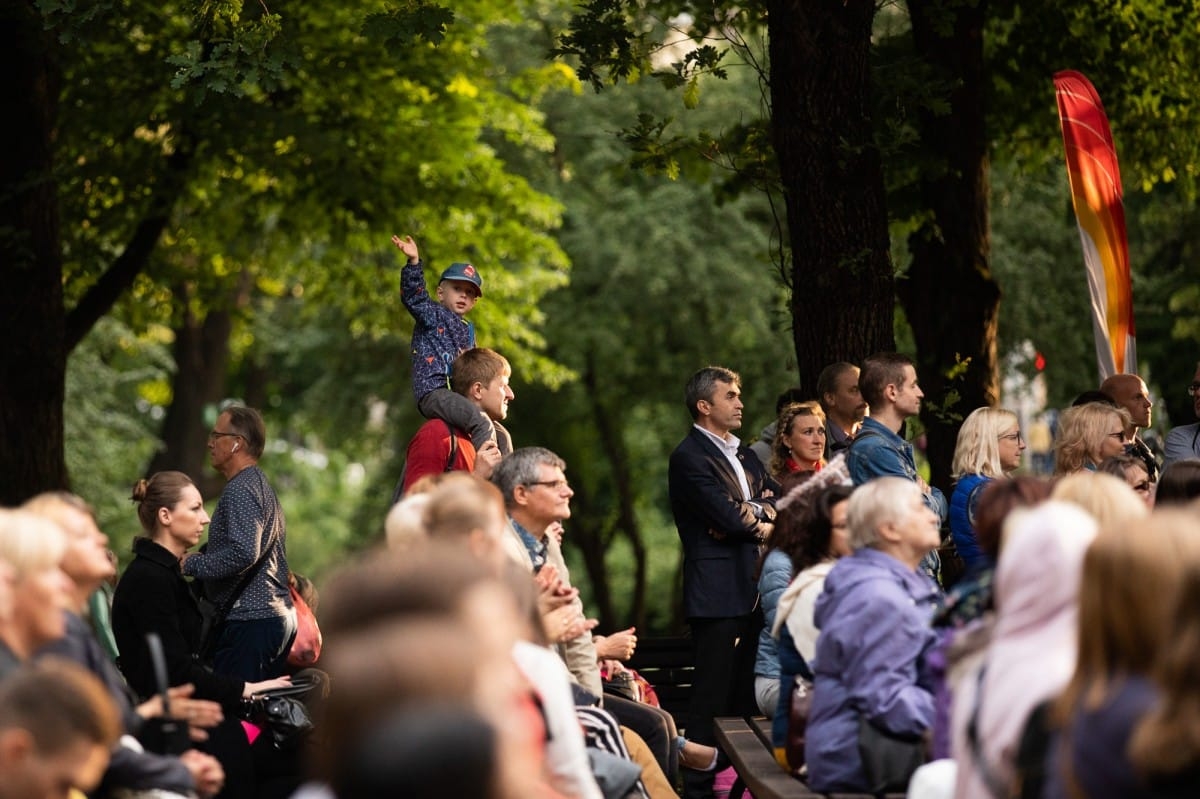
[[453, 447]]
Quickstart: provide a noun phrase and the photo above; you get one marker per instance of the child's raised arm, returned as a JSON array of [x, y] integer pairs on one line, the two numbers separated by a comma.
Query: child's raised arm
[[407, 246]]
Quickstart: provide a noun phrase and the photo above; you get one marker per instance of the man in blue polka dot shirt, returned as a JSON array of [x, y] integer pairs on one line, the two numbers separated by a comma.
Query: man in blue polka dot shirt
[[247, 524]]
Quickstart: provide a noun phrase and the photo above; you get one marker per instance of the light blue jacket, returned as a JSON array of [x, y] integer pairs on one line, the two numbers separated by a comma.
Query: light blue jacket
[[776, 574], [874, 621]]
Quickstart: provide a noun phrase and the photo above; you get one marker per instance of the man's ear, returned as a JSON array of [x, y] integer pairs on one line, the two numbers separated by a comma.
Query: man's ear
[[890, 391], [476, 390], [520, 494], [16, 745]]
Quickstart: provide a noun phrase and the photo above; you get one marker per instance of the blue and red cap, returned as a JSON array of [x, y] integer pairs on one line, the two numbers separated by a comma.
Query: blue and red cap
[[464, 272]]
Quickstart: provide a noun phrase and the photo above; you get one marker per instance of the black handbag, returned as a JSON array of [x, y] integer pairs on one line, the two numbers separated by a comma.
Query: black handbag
[[797, 726], [283, 713], [888, 760]]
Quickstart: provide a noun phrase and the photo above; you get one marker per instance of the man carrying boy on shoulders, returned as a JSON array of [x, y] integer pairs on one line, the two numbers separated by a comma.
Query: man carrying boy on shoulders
[[480, 376]]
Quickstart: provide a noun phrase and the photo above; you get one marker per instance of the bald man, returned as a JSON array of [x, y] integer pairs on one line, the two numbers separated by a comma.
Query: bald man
[[1130, 392]]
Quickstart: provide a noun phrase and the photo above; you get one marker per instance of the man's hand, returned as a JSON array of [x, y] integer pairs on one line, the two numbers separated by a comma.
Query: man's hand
[[408, 247], [206, 771], [566, 624], [486, 459], [618, 646], [553, 593]]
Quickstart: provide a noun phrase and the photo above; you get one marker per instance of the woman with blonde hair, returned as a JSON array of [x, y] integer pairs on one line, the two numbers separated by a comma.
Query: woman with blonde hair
[[1165, 746], [989, 447], [799, 444], [1129, 587], [1087, 434], [32, 547], [1109, 499]]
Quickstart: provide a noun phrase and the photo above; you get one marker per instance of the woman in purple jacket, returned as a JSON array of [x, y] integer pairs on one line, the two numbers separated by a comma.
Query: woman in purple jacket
[[873, 618]]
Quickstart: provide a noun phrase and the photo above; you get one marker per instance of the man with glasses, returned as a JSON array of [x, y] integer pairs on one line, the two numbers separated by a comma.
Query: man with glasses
[[1184, 441], [536, 495], [723, 503], [247, 550], [1130, 393]]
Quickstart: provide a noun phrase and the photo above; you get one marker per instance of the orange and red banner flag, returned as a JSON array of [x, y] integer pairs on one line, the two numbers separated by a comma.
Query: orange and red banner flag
[[1099, 210]]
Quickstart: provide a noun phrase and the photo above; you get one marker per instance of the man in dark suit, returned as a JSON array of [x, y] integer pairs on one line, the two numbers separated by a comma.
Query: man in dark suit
[[723, 502]]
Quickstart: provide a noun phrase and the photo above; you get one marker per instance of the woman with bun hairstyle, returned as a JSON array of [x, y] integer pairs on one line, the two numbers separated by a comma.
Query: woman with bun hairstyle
[[153, 596]]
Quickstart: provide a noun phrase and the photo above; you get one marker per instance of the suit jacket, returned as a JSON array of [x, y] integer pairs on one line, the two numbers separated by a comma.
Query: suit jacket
[[720, 531]]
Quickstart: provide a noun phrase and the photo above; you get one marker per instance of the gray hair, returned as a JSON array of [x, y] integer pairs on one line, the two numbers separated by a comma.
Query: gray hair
[[884, 500], [703, 384], [520, 467]]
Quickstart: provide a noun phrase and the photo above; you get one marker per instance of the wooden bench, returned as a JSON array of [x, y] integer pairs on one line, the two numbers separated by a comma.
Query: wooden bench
[[666, 663], [747, 744]]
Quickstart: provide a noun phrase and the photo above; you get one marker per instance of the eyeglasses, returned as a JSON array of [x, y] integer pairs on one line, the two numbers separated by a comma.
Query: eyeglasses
[[1119, 435], [1193, 388], [1143, 486], [213, 435], [557, 485], [1011, 436]]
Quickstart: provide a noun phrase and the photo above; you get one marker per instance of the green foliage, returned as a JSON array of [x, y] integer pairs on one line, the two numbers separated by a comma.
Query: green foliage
[[403, 26], [110, 427]]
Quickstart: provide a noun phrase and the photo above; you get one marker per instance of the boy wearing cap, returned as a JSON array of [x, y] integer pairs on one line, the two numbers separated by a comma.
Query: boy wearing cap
[[439, 336]]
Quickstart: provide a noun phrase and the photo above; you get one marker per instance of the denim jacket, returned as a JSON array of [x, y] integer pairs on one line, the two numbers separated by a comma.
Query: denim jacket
[[878, 452]]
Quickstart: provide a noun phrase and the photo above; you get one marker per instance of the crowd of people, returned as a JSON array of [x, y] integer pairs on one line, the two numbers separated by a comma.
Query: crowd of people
[[459, 659], [1050, 663]]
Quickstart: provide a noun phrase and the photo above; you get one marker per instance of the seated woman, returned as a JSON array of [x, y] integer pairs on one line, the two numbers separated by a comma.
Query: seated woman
[[776, 569], [1087, 434], [989, 447], [1129, 589], [153, 596], [874, 621], [1132, 470]]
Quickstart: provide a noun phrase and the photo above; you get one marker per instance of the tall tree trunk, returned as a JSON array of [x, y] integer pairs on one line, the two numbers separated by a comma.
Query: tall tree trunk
[[841, 273], [617, 455], [201, 367], [950, 297], [33, 358]]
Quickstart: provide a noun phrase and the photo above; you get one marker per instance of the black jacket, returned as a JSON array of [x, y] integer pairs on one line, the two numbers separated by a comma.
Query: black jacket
[[153, 596]]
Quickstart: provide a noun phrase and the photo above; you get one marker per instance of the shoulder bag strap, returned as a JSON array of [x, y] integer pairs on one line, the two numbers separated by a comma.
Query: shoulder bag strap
[[453, 447], [247, 578]]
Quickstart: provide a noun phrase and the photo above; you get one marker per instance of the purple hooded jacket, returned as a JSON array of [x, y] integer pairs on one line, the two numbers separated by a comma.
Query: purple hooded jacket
[[874, 621]]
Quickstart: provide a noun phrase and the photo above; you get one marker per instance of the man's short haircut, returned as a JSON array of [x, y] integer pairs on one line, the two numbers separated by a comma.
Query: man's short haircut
[[880, 371], [248, 423], [884, 500], [520, 467], [59, 704], [1093, 395], [828, 379], [477, 365], [703, 385], [790, 396], [460, 504]]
